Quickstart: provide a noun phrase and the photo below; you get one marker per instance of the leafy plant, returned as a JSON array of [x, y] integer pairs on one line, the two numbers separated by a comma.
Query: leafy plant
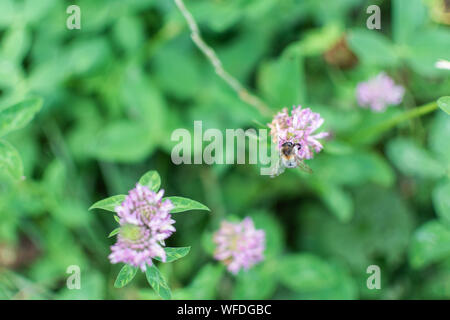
[[116, 90], [14, 118], [152, 180]]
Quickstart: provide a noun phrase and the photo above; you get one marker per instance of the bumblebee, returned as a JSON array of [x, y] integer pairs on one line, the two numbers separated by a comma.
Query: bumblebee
[[289, 159]]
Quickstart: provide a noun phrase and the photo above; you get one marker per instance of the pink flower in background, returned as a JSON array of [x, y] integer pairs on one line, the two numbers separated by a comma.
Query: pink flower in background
[[298, 127], [379, 92], [145, 222], [239, 245]]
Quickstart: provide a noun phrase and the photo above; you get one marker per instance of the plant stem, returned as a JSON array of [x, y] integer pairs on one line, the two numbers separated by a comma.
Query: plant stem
[[388, 124], [209, 53]]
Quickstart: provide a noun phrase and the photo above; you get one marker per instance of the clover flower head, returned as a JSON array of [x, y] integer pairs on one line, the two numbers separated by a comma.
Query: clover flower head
[[379, 92], [298, 127], [239, 245], [145, 222]]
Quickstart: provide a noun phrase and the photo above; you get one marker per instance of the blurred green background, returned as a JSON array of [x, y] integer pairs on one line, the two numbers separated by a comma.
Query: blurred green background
[[114, 91]]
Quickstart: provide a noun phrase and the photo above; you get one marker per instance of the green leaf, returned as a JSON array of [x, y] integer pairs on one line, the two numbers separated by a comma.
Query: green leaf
[[413, 160], [430, 244], [173, 254], [317, 41], [125, 275], [338, 147], [8, 10], [71, 212], [353, 169], [172, 59], [152, 180], [373, 126], [158, 283], [377, 209], [205, 284], [282, 81], [257, 283], [109, 204], [426, 48], [315, 278], [439, 137], [274, 232], [218, 16], [441, 201], [117, 218], [10, 161], [338, 201], [305, 272], [372, 47], [114, 232], [123, 141], [184, 204], [436, 286], [444, 104], [408, 17], [16, 43], [144, 100], [128, 31], [86, 55], [93, 287], [18, 115]]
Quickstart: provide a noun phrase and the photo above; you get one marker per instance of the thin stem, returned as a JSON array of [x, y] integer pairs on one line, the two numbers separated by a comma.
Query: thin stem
[[243, 93], [390, 123]]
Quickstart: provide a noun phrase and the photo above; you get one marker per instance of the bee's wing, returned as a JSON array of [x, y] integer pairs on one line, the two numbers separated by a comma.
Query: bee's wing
[[303, 166], [279, 169]]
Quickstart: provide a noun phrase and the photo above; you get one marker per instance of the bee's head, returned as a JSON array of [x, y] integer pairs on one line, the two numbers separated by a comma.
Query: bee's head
[[288, 144], [291, 145]]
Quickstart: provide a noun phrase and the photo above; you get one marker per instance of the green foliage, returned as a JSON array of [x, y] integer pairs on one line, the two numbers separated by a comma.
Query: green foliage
[[431, 243], [204, 285], [14, 118], [256, 283], [84, 113], [382, 227], [114, 232], [158, 283], [10, 161], [314, 278], [414, 42], [413, 160], [183, 204], [339, 202], [18, 116], [441, 200], [444, 104], [125, 275], [439, 138], [122, 141], [152, 180], [109, 204], [407, 20], [374, 47], [281, 81], [173, 254]]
